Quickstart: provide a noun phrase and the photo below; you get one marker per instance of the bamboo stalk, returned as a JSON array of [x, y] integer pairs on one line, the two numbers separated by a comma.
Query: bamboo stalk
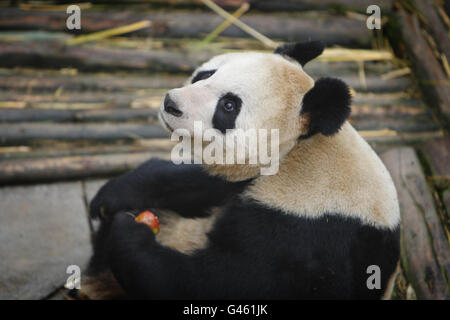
[[378, 133], [268, 42], [445, 64], [396, 73], [362, 74], [109, 33], [13, 104], [71, 105], [15, 149], [344, 54], [444, 16], [400, 138], [239, 12]]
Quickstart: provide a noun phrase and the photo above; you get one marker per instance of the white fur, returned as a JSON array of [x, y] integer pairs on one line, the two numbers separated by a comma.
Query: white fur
[[338, 174]]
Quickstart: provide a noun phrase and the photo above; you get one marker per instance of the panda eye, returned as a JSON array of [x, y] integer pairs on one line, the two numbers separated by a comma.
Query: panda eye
[[229, 106], [203, 75]]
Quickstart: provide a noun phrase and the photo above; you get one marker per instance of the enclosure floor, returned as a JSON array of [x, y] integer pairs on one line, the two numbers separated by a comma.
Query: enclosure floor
[[72, 116], [44, 229]]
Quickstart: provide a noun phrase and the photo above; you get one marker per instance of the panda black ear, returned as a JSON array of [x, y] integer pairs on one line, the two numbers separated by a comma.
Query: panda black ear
[[301, 51], [325, 107]]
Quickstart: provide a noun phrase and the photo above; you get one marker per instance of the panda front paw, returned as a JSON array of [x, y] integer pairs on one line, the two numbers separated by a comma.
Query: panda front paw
[[126, 234], [110, 199]]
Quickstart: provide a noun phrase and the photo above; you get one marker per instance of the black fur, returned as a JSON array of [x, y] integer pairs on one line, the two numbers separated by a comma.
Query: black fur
[[186, 189], [254, 252], [327, 106], [202, 75], [302, 52], [222, 119]]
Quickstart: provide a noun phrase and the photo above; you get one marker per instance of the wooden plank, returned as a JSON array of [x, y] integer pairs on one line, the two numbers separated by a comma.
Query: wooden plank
[[53, 149], [405, 123], [47, 81], [332, 29], [43, 230], [386, 100], [281, 5], [338, 5], [51, 54], [79, 101], [74, 167], [16, 133], [425, 250], [433, 22], [100, 57], [369, 113], [34, 115], [39, 81], [121, 95], [380, 137], [429, 73], [446, 200], [437, 154]]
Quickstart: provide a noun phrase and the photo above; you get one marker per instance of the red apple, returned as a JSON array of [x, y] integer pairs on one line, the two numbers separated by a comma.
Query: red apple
[[150, 219]]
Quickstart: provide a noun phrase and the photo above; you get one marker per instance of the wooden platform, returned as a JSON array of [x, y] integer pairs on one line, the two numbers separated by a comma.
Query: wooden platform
[[73, 116]]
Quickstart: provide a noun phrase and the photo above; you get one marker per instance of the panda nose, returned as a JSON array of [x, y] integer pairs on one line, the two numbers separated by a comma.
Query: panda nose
[[171, 107]]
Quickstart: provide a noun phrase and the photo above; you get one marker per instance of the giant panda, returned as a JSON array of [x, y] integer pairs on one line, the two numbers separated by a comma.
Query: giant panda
[[309, 231]]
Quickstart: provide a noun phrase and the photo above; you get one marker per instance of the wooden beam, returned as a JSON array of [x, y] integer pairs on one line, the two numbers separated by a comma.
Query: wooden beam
[[58, 149], [74, 167], [425, 250], [429, 73], [271, 5], [433, 22], [332, 29], [24, 132], [437, 154], [39, 80], [34, 115], [53, 54]]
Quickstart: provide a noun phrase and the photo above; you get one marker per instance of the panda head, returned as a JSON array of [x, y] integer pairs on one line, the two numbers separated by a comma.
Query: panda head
[[256, 90]]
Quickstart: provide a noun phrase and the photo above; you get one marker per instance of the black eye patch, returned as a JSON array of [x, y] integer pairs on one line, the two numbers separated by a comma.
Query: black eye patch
[[225, 118], [202, 75]]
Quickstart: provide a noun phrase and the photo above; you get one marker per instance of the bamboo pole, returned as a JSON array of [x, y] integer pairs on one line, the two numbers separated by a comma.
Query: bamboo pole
[[268, 42], [239, 12], [346, 54], [108, 33]]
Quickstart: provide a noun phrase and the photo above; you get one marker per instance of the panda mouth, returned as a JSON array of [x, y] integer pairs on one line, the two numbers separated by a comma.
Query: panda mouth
[[165, 122]]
